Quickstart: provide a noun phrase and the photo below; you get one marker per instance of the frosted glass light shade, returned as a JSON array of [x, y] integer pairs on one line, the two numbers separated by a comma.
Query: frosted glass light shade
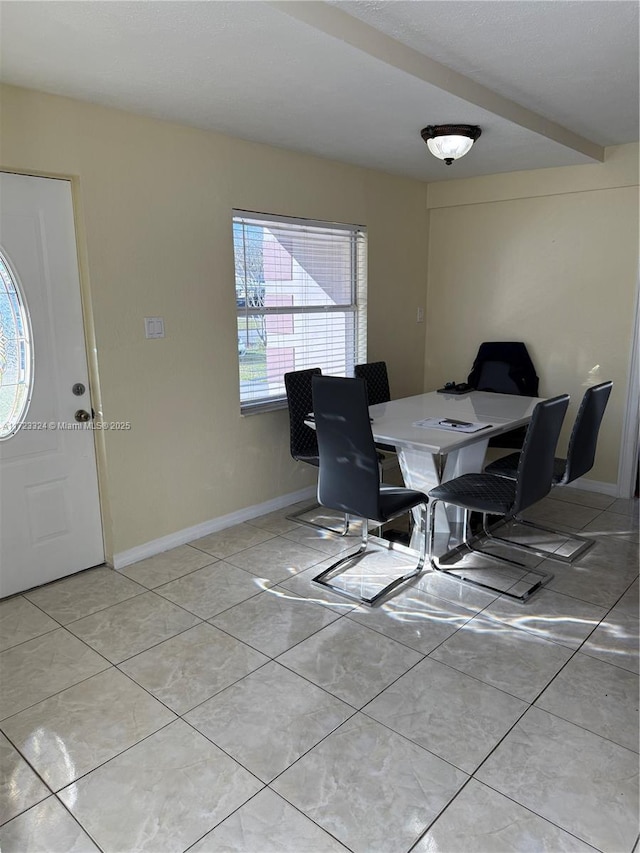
[[449, 142], [449, 147]]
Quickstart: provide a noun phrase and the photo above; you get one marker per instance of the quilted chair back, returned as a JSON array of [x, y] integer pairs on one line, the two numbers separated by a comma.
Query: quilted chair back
[[349, 478], [375, 375], [504, 367], [581, 452], [302, 439], [536, 466]]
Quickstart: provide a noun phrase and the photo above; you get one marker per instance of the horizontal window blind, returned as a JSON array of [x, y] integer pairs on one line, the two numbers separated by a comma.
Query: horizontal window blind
[[301, 302]]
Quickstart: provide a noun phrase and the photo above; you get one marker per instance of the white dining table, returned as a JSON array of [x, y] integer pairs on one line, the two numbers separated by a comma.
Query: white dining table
[[429, 456]]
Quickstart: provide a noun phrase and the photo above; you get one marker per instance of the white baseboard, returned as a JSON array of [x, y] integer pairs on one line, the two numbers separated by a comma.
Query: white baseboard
[[181, 537], [586, 485]]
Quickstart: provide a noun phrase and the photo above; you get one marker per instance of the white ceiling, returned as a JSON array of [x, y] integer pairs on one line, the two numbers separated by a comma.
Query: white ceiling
[[549, 81]]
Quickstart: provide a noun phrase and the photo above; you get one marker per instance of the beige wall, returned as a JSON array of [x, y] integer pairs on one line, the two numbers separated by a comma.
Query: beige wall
[[549, 257], [155, 203]]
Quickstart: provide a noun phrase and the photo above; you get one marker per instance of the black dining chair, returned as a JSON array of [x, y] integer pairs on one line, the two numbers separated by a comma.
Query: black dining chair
[[376, 377], [581, 453], [505, 367], [490, 494], [349, 476], [303, 444]]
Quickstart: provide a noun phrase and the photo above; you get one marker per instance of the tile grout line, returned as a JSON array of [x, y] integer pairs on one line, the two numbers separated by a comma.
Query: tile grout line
[[356, 710]]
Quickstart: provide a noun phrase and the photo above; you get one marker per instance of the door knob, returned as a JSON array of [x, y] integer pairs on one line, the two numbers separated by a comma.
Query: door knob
[[82, 416]]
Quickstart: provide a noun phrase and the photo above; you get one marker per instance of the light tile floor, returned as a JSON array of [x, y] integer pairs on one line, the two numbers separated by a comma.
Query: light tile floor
[[212, 699]]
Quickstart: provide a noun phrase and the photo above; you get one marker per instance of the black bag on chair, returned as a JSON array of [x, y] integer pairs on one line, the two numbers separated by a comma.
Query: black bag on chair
[[505, 367]]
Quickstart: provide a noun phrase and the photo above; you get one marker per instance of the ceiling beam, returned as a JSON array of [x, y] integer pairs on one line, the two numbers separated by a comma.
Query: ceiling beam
[[338, 24]]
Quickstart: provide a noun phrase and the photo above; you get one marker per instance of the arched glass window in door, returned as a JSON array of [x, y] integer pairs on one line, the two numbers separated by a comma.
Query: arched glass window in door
[[16, 355]]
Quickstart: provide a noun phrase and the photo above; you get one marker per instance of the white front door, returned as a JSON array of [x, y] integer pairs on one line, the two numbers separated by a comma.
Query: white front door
[[50, 524]]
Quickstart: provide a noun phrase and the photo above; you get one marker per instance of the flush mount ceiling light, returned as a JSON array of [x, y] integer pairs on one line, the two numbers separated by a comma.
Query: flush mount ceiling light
[[449, 142]]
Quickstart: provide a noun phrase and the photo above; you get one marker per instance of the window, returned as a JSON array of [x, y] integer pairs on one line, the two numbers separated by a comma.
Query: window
[[15, 354], [301, 302]]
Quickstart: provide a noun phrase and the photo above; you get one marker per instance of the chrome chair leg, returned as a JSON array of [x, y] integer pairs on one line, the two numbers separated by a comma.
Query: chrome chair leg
[[325, 577], [584, 543], [469, 544], [297, 516]]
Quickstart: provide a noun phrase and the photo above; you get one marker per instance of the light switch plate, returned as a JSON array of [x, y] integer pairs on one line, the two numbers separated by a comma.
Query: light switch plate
[[154, 327]]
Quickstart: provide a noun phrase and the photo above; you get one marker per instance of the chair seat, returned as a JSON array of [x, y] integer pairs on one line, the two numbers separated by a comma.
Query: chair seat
[[581, 452], [507, 466], [394, 500], [478, 492], [489, 494]]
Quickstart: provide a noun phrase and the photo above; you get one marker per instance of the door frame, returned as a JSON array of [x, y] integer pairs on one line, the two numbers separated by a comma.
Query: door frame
[[91, 349], [630, 435]]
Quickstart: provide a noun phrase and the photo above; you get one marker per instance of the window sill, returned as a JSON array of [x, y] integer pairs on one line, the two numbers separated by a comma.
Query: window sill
[[261, 407]]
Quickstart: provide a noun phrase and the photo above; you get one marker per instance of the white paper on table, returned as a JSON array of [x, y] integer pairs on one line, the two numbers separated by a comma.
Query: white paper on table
[[451, 424]]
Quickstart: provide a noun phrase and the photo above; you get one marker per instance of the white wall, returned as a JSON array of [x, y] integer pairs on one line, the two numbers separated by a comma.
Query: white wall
[[549, 257], [156, 211]]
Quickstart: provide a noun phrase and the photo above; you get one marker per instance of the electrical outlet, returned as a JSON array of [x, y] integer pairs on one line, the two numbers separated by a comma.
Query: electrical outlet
[[420, 315]]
